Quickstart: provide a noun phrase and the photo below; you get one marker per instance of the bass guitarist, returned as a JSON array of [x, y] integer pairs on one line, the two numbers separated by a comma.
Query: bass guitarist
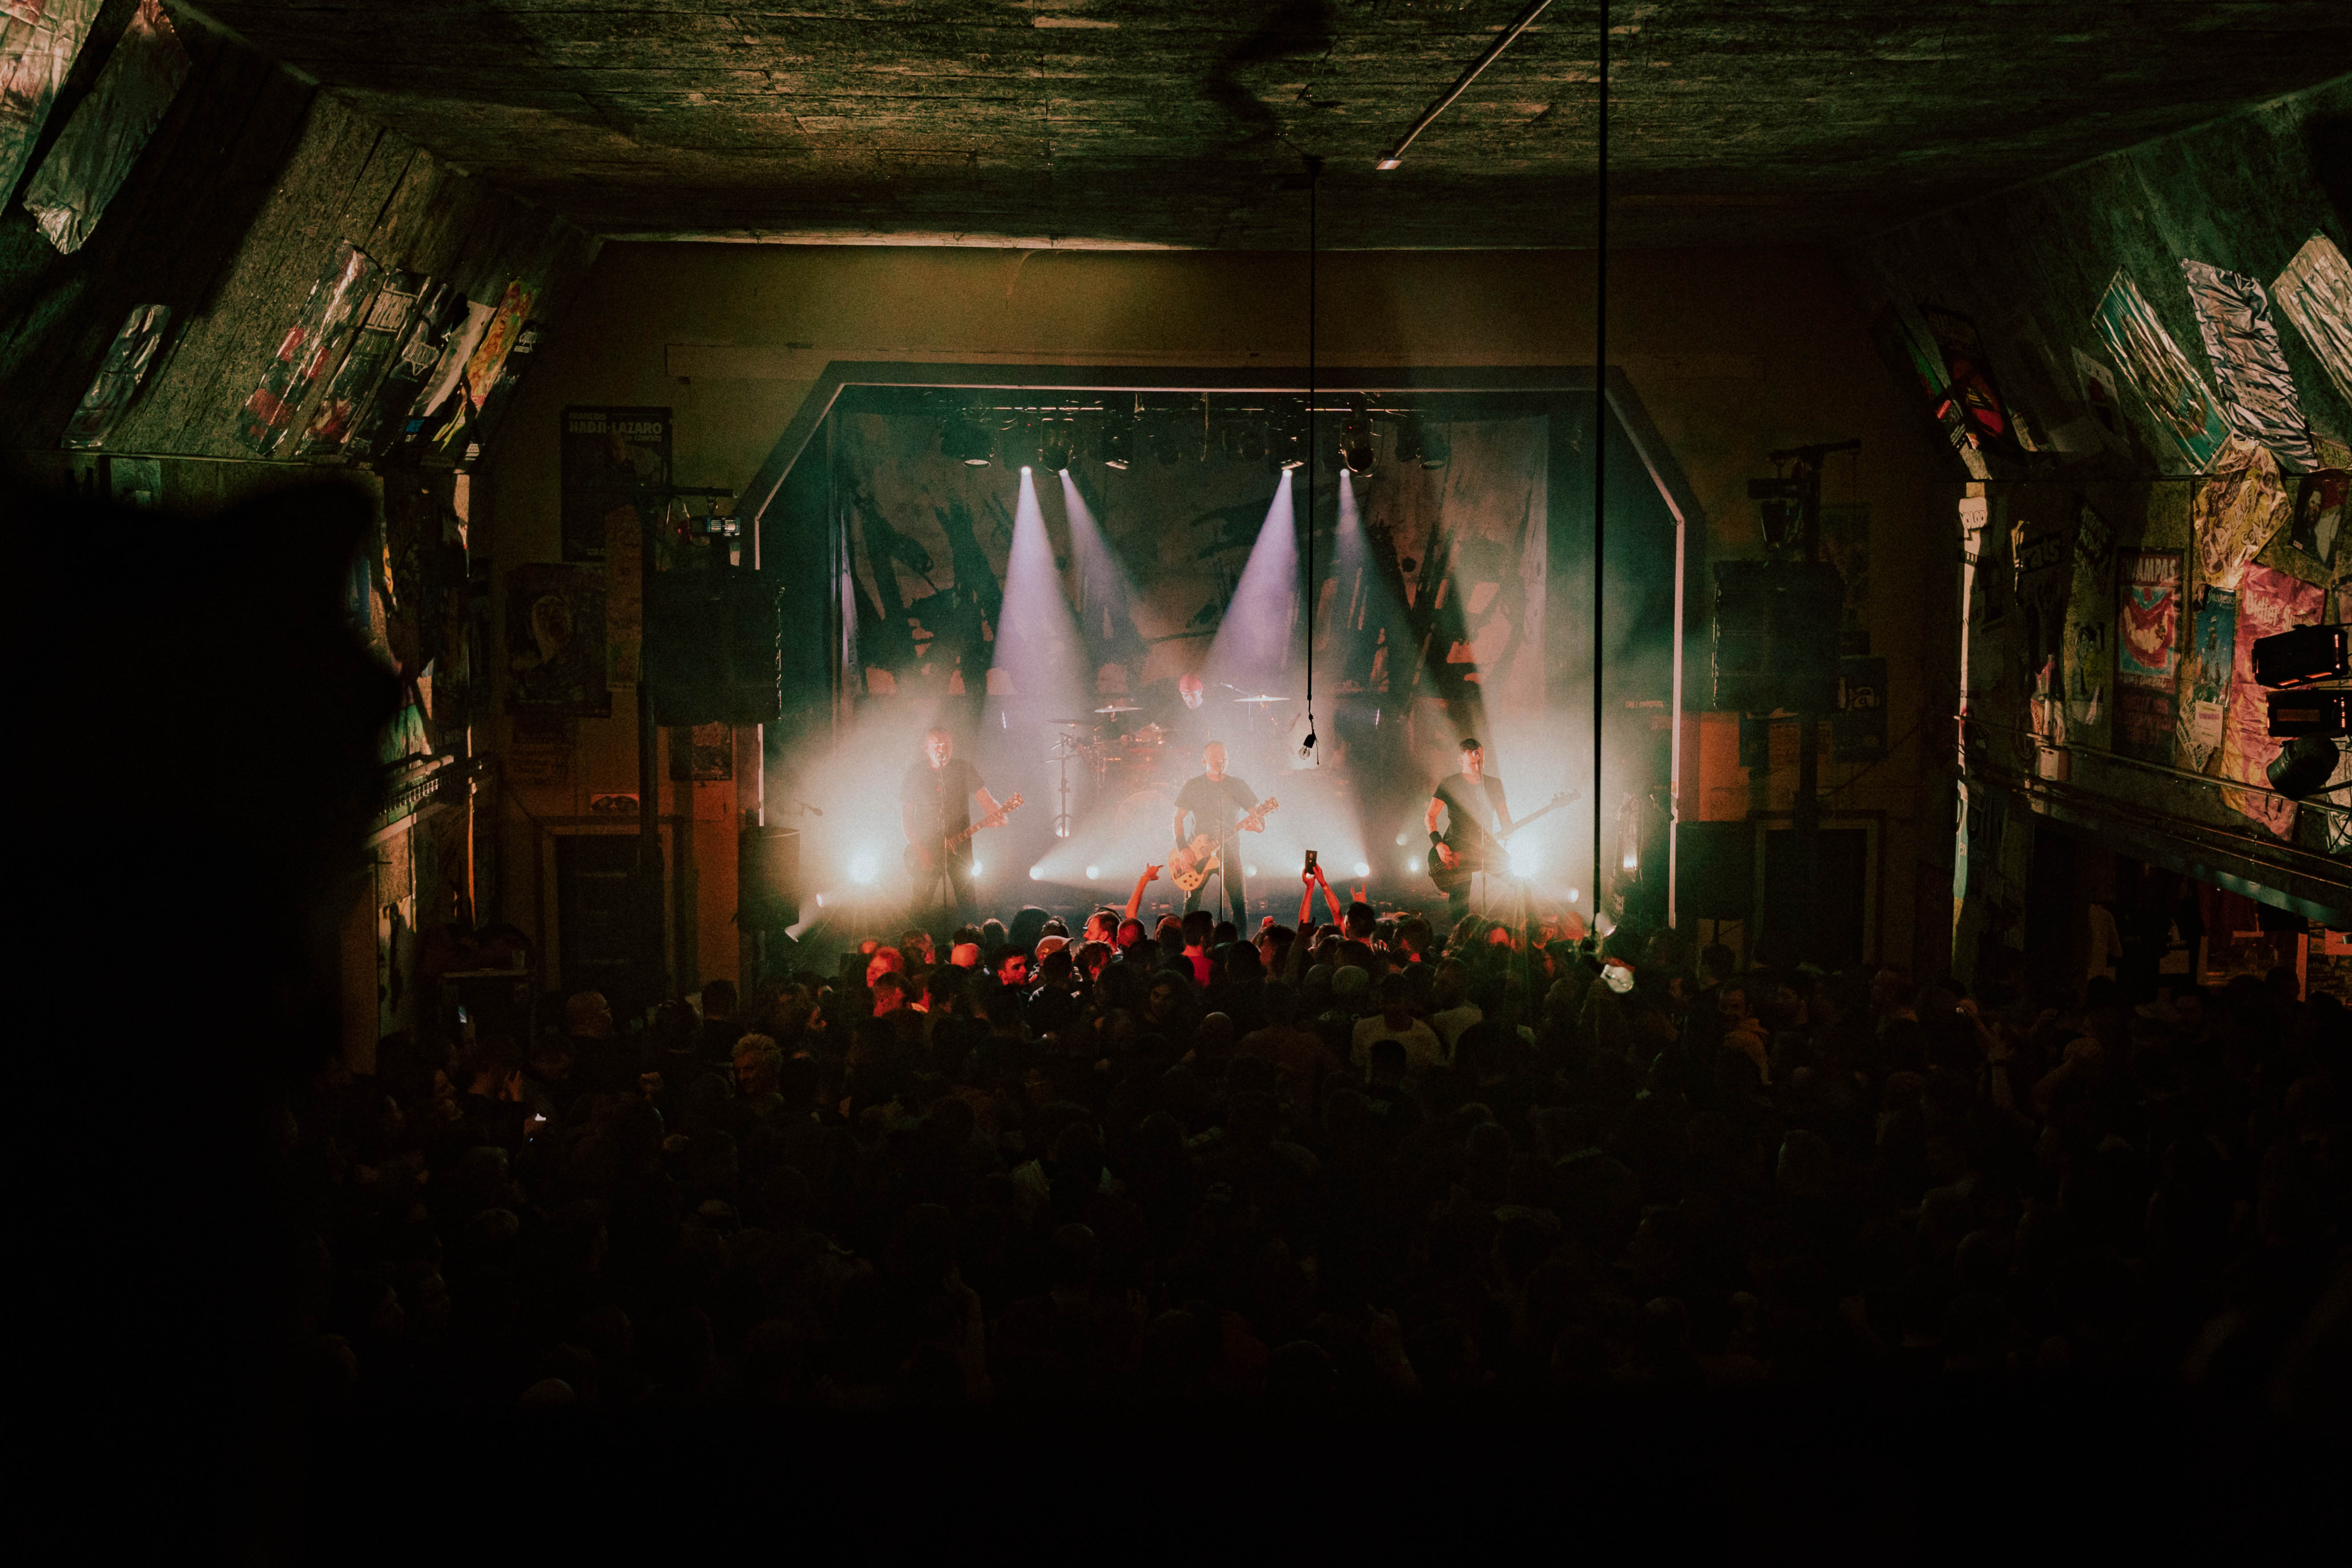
[[1216, 800], [1475, 815], [935, 806]]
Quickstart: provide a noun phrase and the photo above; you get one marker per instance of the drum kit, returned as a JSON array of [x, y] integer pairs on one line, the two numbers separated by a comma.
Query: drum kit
[[1135, 768]]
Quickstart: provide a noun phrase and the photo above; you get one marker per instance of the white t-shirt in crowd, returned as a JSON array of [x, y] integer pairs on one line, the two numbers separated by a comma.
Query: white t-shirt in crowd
[[1422, 1049]]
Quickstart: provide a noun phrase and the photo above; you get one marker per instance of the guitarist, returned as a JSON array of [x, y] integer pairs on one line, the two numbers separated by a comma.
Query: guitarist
[[1215, 801], [934, 806], [1474, 810]]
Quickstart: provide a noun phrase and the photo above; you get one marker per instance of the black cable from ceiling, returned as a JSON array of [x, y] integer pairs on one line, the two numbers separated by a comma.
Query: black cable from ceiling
[[1600, 448]]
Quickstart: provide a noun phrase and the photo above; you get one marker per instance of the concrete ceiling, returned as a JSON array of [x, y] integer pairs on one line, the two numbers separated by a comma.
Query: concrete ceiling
[[1182, 122]]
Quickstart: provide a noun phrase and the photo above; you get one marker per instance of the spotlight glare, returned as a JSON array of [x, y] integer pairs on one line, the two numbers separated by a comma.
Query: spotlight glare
[[1249, 870], [977, 868], [1411, 867], [1093, 872], [863, 867], [1571, 895], [1036, 873], [1403, 839], [1524, 863], [1363, 869]]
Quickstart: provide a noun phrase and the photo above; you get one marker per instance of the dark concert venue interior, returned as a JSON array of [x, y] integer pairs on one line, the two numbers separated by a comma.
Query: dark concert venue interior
[[1529, 760]]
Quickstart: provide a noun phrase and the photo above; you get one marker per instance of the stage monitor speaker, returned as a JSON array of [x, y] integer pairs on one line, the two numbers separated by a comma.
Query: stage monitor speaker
[[768, 878], [1715, 871], [1776, 635], [714, 648]]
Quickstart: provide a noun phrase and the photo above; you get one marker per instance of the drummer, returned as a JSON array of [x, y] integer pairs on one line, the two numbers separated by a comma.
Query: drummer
[[1173, 709]]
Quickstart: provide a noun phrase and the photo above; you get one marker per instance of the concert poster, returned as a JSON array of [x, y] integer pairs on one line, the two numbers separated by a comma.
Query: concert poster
[[2175, 395], [310, 348], [2319, 508], [555, 641], [610, 457], [703, 754], [2205, 674], [2269, 603], [2148, 652]]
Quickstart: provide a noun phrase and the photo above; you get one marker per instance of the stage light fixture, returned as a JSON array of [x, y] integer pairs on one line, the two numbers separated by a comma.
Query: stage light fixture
[[1435, 449], [1249, 870], [2300, 655], [863, 867], [1165, 447], [1118, 447], [977, 868], [1056, 447], [1036, 873], [2304, 767], [967, 440], [1093, 872], [1289, 448], [1356, 442], [2295, 714]]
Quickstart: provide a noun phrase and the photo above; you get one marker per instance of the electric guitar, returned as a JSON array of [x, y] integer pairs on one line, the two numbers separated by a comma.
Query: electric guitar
[[1469, 862], [1203, 858], [923, 859]]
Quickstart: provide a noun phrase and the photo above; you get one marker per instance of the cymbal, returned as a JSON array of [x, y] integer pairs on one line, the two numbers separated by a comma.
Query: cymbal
[[1265, 699], [1120, 707]]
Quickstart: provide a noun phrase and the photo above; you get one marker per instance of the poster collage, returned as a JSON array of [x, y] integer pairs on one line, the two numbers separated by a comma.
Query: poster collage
[[2124, 615]]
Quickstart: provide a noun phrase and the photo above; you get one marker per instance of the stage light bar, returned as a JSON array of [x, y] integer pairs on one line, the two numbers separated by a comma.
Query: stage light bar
[[2295, 714], [2304, 767], [2301, 655]]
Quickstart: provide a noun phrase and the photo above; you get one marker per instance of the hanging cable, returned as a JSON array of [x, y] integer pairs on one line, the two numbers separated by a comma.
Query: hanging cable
[[1307, 748], [1600, 451]]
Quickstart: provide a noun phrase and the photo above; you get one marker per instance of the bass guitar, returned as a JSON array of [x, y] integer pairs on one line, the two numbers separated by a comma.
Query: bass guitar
[[1469, 863], [923, 859], [1204, 856]]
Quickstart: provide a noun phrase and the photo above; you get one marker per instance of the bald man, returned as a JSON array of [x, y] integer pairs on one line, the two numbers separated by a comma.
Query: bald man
[[1215, 801]]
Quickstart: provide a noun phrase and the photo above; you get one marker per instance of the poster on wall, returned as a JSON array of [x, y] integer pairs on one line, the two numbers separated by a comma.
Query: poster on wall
[[455, 430], [2314, 292], [2319, 505], [41, 38], [704, 754], [2240, 504], [2206, 675], [2159, 374], [1858, 731], [375, 428], [2099, 394], [1845, 544], [555, 641], [2089, 667], [307, 351], [2269, 603], [610, 457], [381, 325], [2242, 343], [1968, 388], [2148, 651], [91, 158], [117, 381]]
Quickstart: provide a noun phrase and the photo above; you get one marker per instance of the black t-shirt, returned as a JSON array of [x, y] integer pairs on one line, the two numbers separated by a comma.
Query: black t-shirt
[[941, 796], [1215, 803], [1471, 810]]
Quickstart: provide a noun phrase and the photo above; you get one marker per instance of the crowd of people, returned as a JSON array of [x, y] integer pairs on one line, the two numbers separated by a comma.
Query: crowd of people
[[1018, 1165]]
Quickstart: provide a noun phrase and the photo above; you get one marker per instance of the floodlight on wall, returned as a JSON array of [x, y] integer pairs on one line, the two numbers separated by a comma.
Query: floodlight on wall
[[2300, 655], [2304, 767]]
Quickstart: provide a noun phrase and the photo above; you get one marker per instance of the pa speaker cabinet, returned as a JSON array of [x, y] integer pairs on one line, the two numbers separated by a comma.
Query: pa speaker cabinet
[[1776, 635], [714, 646], [768, 878], [1715, 871]]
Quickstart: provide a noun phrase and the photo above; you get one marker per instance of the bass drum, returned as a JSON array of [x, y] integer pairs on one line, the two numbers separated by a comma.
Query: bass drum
[[1147, 807]]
